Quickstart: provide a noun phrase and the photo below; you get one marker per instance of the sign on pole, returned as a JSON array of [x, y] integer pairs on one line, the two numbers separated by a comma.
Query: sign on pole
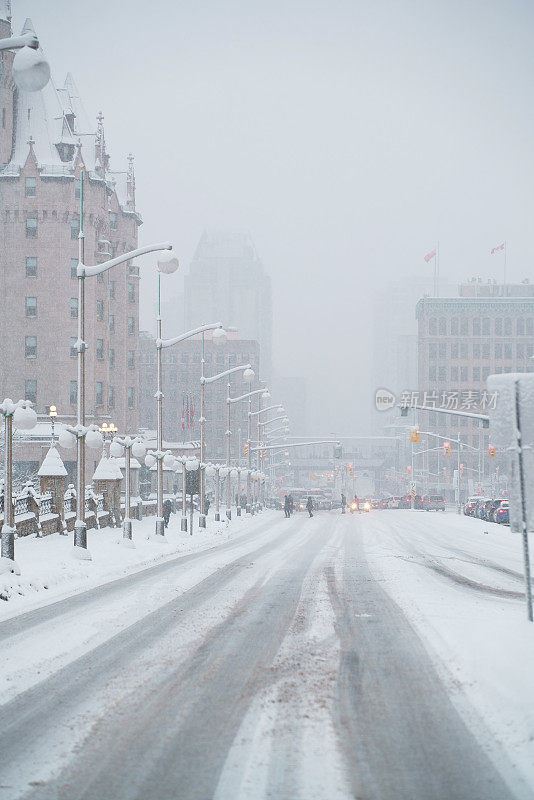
[[512, 426]]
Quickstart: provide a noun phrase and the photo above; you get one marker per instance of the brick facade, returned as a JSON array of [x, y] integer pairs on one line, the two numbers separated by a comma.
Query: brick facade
[[40, 173]]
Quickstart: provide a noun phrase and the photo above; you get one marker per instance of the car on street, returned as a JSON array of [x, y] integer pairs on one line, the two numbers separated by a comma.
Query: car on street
[[501, 515], [480, 508], [495, 505], [433, 502], [469, 508]]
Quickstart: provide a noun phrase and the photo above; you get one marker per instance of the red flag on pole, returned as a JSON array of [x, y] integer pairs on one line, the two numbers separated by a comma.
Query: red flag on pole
[[496, 249], [183, 413], [430, 256]]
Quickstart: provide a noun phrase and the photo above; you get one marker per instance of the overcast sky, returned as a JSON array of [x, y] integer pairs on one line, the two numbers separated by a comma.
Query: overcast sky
[[347, 136]]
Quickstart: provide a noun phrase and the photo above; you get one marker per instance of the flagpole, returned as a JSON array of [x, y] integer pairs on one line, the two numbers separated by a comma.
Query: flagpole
[[437, 270], [504, 276]]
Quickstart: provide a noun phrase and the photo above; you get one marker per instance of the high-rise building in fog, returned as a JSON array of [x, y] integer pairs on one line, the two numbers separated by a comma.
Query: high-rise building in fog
[[46, 142], [227, 282]]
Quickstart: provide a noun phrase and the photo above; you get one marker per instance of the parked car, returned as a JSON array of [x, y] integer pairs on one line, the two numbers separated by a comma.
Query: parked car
[[469, 508], [495, 505], [433, 502], [394, 502], [502, 513], [480, 506]]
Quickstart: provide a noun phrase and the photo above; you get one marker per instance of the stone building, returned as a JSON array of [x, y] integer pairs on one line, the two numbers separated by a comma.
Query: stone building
[[181, 388], [461, 341], [46, 143]]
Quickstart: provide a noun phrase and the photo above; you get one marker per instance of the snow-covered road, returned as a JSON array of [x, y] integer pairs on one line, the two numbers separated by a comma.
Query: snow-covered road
[[332, 657]]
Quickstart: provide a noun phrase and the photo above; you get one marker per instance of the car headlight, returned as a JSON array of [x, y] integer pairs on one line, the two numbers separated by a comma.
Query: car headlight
[[367, 506]]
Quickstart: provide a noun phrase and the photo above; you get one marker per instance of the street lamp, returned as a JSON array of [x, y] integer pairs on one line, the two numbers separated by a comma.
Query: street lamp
[[52, 413], [128, 447], [160, 344], [82, 433], [248, 376], [23, 416], [191, 465], [31, 71]]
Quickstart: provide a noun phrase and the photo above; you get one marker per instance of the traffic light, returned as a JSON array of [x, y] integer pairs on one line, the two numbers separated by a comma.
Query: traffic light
[[245, 449], [263, 453], [414, 435], [408, 469], [338, 451], [446, 448], [491, 451], [351, 471], [461, 469]]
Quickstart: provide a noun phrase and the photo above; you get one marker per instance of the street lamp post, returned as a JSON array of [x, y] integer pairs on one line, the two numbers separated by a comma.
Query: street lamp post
[[23, 416], [160, 344], [52, 413], [31, 71], [191, 465], [128, 447], [248, 375], [231, 400], [83, 272]]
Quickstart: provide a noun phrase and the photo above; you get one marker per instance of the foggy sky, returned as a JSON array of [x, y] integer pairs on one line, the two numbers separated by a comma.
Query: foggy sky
[[346, 137]]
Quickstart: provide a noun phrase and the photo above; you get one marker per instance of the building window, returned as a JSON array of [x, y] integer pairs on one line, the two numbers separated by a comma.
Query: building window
[[112, 357], [185, 358], [99, 390], [454, 326], [442, 349], [130, 397], [100, 348], [520, 350], [131, 359], [432, 350], [73, 351], [131, 293], [463, 374], [30, 187], [486, 326], [74, 228], [432, 326], [476, 374], [131, 325], [464, 326], [100, 310], [74, 307], [498, 326], [530, 350], [30, 347], [111, 323], [30, 391], [31, 306], [454, 374], [77, 188], [113, 220], [476, 350], [431, 373], [31, 267], [498, 350], [476, 326], [31, 227], [507, 326], [442, 326], [73, 267], [485, 350], [112, 290], [442, 374], [454, 350], [530, 326], [463, 349], [485, 373], [507, 351], [73, 392], [111, 398]]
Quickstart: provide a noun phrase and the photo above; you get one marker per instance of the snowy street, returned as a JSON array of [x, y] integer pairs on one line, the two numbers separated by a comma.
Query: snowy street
[[371, 656]]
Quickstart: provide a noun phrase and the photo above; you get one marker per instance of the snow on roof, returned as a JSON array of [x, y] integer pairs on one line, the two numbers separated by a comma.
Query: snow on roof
[[107, 470], [54, 120], [52, 465]]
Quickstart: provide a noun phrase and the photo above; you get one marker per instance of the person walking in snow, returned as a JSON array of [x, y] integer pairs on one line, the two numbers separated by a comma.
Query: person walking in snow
[[309, 506], [343, 503], [167, 508], [287, 509]]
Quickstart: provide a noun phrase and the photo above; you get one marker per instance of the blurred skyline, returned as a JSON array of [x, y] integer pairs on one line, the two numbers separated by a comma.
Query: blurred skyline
[[346, 137]]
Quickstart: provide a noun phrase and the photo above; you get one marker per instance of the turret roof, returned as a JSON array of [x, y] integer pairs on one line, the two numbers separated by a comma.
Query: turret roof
[[52, 465]]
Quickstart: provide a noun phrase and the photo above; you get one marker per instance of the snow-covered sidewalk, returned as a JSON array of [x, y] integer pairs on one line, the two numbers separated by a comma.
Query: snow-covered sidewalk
[[459, 581], [49, 571]]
